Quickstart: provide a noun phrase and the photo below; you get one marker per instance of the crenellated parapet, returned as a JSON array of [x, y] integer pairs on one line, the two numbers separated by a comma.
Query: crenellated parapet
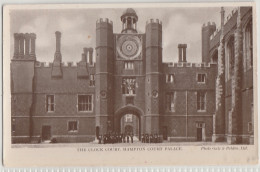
[[195, 65], [24, 46], [207, 30], [156, 21], [104, 20]]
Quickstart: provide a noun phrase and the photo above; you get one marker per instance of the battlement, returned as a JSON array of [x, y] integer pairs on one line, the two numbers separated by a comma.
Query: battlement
[[154, 21], [49, 64], [105, 20], [198, 65], [231, 15], [215, 33], [208, 24]]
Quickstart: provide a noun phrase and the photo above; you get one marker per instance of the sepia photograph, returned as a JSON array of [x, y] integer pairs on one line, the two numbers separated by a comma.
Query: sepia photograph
[[141, 78]]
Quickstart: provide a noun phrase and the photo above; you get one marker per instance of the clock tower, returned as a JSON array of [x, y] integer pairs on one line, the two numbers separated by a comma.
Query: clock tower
[[128, 70]]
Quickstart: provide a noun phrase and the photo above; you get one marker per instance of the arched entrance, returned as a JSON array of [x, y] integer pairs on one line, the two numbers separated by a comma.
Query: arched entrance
[[129, 129], [128, 121]]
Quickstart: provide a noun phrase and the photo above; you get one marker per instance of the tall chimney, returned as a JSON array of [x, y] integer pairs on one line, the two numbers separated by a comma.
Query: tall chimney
[[222, 16], [33, 37], [58, 37], [184, 46], [16, 45], [21, 52], [91, 56], [56, 66], [180, 52], [83, 57], [86, 52], [27, 43]]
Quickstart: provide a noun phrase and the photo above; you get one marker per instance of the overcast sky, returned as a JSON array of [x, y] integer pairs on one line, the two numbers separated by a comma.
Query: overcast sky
[[180, 25]]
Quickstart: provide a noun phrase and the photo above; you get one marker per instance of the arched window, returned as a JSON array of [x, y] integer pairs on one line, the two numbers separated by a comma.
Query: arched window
[[249, 45], [230, 62]]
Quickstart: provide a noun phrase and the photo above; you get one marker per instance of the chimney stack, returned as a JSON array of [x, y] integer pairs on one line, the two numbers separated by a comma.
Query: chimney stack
[[222, 16], [58, 37], [56, 66], [90, 56], [83, 57], [182, 52], [27, 43], [21, 52], [33, 37], [16, 45], [184, 46]]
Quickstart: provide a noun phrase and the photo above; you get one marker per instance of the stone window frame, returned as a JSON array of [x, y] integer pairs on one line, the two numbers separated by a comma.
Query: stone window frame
[[92, 104], [92, 81], [170, 78], [13, 125], [124, 92], [128, 118], [250, 127], [248, 23], [205, 101], [68, 126], [173, 96], [47, 104], [129, 65], [197, 78], [228, 64]]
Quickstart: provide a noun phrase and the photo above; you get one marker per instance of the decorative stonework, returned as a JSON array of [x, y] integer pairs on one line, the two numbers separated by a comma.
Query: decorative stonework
[[129, 47]]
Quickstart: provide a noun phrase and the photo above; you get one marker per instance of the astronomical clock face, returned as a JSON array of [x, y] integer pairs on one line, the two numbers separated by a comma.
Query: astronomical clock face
[[129, 47]]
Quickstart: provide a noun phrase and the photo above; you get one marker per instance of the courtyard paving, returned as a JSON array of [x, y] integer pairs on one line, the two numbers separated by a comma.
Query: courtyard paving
[[94, 144]]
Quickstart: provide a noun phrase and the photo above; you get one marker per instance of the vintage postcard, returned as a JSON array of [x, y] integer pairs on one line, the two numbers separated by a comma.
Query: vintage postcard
[[130, 84]]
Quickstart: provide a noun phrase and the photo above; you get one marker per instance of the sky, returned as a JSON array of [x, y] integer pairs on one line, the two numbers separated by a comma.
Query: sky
[[180, 25]]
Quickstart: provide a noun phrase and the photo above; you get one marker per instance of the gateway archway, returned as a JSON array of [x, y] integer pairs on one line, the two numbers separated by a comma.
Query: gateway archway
[[128, 121]]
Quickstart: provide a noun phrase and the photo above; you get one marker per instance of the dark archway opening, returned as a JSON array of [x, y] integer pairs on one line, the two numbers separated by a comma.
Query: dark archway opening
[[126, 118]]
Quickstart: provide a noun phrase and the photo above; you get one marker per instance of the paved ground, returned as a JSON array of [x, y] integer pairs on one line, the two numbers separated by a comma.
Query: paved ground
[[136, 143]]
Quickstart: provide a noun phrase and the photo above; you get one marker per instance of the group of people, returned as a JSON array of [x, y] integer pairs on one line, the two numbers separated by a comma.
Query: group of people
[[115, 138], [112, 138], [151, 138]]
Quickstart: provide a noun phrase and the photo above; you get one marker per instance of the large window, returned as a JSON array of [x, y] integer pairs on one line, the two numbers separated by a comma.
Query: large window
[[170, 101], [73, 126], [50, 103], [249, 45], [201, 78], [128, 86], [201, 101], [92, 80], [128, 118], [85, 103], [230, 58]]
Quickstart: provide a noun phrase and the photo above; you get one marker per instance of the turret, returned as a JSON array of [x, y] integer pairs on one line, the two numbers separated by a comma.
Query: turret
[[104, 75], [153, 75], [207, 30], [129, 21], [22, 83], [56, 67]]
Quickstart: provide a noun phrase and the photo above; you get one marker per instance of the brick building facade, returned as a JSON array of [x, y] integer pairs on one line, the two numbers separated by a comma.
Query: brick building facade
[[75, 102]]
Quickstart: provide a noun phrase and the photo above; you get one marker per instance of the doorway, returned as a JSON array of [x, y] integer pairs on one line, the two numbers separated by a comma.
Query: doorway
[[46, 132], [165, 135], [201, 133], [130, 124]]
